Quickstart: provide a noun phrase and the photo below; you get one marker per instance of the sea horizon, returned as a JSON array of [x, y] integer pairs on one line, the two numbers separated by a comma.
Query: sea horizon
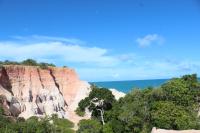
[[128, 85], [127, 80]]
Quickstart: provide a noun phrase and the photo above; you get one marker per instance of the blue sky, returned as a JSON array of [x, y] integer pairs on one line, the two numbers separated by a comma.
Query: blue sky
[[105, 39]]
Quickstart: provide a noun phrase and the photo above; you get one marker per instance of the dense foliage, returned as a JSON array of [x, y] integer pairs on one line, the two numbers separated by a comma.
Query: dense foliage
[[174, 105], [34, 125], [89, 126], [27, 62], [98, 101]]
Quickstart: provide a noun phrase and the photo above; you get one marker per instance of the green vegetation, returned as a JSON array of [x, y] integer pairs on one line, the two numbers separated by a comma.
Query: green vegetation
[[174, 105], [62, 125], [98, 101], [28, 62], [80, 112], [89, 126], [34, 125]]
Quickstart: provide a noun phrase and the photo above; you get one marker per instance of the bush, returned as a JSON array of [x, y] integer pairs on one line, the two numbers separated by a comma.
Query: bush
[[79, 112], [174, 105], [167, 115], [89, 126], [35, 125], [28, 62], [107, 128], [43, 65]]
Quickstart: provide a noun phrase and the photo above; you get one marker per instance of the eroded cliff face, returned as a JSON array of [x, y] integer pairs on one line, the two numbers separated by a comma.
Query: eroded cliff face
[[32, 91]]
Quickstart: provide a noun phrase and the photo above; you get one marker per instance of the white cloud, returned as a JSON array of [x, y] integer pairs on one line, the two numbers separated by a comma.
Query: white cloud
[[58, 50], [93, 63], [143, 69], [39, 38], [150, 39]]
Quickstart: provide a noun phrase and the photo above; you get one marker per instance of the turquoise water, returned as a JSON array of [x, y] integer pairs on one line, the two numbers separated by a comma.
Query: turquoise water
[[126, 86]]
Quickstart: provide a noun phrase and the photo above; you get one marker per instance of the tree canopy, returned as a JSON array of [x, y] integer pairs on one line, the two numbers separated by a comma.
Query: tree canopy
[[34, 124], [98, 101], [173, 105]]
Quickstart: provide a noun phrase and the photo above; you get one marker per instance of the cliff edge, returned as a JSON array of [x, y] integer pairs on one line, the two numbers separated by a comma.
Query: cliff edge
[[32, 91]]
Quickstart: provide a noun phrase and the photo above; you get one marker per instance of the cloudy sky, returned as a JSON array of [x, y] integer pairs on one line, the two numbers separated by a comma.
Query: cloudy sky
[[104, 39]]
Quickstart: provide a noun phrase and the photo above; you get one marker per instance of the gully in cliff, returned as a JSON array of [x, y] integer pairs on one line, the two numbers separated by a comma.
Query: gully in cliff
[[32, 90]]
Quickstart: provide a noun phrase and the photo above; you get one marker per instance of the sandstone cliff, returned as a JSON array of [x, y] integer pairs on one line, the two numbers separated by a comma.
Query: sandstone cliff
[[32, 91]]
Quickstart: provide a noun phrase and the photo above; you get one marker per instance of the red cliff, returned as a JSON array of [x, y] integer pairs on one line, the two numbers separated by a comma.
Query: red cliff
[[31, 90]]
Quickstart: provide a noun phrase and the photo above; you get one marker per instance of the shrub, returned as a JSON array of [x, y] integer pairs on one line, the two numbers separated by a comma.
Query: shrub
[[28, 62], [79, 112], [89, 126]]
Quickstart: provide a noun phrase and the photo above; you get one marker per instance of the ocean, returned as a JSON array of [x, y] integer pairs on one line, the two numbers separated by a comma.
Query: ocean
[[126, 86]]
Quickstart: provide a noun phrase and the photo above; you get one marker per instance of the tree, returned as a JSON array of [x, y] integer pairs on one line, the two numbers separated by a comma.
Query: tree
[[107, 128], [34, 125], [167, 115], [174, 105], [182, 91], [29, 62], [98, 101], [80, 112], [89, 126], [62, 125], [134, 110]]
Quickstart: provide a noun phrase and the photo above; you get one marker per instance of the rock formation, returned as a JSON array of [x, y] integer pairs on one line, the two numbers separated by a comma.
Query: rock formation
[[154, 130], [32, 91]]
